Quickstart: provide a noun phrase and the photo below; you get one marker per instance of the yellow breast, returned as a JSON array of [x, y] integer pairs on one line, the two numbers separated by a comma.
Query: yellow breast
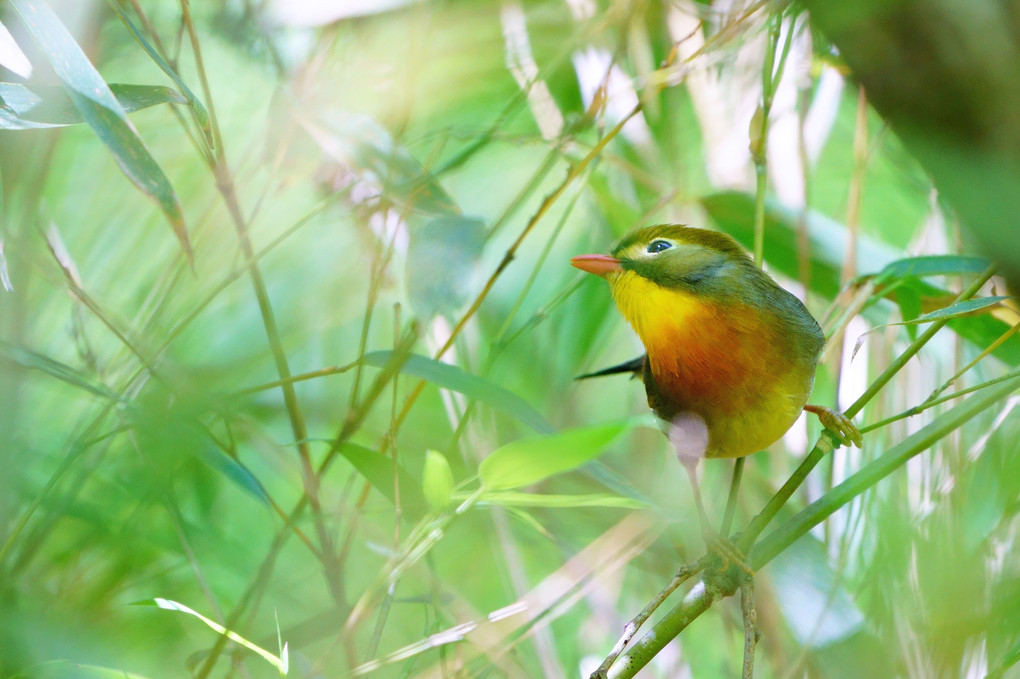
[[722, 361]]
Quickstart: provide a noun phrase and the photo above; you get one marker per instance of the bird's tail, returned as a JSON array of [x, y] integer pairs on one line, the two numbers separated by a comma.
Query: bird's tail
[[635, 366]]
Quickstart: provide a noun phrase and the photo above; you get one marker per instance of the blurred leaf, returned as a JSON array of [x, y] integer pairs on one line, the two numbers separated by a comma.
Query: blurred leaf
[[5, 279], [934, 265], [201, 115], [231, 468], [50, 106], [280, 663], [378, 471], [441, 259], [1011, 658], [529, 520], [814, 601], [733, 212], [614, 481], [323, 12], [437, 480], [62, 669], [452, 377], [99, 108], [908, 299], [11, 56], [517, 499], [533, 459], [358, 141], [167, 425], [34, 361]]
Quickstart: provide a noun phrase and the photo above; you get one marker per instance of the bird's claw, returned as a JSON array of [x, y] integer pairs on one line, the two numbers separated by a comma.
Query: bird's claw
[[837, 423], [728, 553]]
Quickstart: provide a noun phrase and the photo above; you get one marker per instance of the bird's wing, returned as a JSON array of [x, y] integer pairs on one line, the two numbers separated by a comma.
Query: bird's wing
[[635, 366]]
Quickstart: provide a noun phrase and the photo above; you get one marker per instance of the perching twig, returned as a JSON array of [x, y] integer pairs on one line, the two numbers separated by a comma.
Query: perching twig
[[684, 573], [751, 631]]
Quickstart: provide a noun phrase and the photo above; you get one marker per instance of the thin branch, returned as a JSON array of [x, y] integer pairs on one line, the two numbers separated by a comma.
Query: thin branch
[[682, 575], [751, 631], [826, 443], [702, 595]]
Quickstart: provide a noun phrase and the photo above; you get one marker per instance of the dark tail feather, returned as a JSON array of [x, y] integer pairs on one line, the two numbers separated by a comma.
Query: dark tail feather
[[635, 366]]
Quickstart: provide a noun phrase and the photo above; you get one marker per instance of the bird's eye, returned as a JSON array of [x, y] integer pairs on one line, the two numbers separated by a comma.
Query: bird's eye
[[659, 245]]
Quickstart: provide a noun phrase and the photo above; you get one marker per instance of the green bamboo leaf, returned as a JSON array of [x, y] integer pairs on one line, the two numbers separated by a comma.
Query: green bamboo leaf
[[452, 377], [964, 308], [61, 371], [529, 520], [98, 107], [378, 471], [201, 115], [233, 469], [50, 105], [908, 299], [934, 265], [511, 498], [437, 480], [532, 459], [167, 424]]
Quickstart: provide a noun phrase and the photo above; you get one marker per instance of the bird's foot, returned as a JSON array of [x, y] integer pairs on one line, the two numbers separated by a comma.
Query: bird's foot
[[837, 423], [728, 554]]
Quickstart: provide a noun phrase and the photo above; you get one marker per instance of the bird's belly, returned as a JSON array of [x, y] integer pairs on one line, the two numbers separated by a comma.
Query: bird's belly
[[744, 381]]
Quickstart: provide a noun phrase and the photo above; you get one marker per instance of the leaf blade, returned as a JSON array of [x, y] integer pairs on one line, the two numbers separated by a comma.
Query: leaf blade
[[532, 459], [99, 108], [459, 380]]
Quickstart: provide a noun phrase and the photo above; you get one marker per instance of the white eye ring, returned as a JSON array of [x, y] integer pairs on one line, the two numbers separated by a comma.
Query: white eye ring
[[658, 245]]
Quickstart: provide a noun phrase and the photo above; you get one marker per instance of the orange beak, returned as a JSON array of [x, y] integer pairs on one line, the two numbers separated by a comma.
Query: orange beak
[[600, 265]]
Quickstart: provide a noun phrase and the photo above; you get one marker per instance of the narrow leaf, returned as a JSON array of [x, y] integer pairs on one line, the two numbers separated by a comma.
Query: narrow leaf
[[50, 106], [530, 460], [97, 105], [963, 308], [201, 115], [35, 361], [437, 480], [934, 265], [378, 471], [233, 469], [512, 498], [452, 377]]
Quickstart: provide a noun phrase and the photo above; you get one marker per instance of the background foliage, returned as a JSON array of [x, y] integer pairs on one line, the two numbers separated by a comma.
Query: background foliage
[[288, 336]]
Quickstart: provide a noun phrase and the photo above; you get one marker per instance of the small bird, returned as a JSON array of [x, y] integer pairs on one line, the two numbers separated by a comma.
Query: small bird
[[731, 355]]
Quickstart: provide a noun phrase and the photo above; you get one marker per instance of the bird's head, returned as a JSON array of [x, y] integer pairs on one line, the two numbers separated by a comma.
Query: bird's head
[[672, 256]]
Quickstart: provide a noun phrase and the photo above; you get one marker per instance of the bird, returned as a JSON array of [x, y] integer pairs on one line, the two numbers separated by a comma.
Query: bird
[[730, 355]]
